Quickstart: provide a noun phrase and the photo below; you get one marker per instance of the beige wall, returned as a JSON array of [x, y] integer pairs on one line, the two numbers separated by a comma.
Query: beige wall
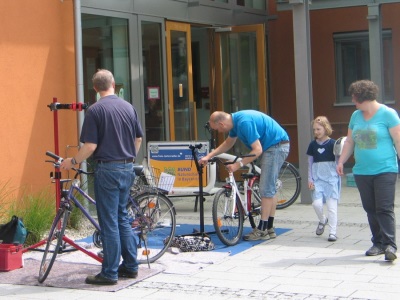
[[37, 63]]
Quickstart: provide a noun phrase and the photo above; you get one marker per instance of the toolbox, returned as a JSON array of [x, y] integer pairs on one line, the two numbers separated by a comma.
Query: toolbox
[[10, 257]]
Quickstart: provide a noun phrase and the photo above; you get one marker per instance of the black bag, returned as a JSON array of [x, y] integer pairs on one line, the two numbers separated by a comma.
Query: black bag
[[13, 232], [193, 243]]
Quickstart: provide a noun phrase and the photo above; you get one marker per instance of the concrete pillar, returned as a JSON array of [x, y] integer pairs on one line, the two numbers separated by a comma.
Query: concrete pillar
[[304, 97], [375, 47]]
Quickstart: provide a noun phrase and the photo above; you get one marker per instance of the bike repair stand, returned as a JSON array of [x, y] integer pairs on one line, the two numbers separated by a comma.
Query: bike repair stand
[[195, 149], [54, 107]]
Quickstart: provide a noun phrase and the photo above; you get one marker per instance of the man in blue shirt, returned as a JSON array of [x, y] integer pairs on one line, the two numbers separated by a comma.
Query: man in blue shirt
[[266, 139]]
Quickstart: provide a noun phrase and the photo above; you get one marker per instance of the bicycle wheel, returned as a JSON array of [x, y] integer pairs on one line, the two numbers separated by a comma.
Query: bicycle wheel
[[288, 185], [153, 221], [228, 224], [53, 244]]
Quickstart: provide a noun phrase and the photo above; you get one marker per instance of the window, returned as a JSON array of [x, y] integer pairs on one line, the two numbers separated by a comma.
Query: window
[[153, 81], [353, 63], [106, 46], [256, 4]]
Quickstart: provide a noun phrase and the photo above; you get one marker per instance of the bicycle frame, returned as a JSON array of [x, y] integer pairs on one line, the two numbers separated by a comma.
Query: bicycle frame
[[75, 186], [66, 197], [150, 213], [245, 201], [236, 193], [248, 192]]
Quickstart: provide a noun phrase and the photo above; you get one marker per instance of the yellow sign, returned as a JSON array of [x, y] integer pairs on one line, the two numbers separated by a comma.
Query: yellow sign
[[176, 158]]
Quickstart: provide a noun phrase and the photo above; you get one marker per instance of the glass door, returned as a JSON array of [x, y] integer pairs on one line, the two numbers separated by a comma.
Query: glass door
[[154, 100], [240, 69], [182, 112]]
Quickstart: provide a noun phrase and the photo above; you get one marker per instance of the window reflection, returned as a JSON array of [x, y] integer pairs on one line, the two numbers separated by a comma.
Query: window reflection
[[105, 43], [353, 63], [256, 4], [152, 79]]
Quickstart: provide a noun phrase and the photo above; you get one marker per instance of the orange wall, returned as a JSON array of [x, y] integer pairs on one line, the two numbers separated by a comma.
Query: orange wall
[[37, 63], [323, 24]]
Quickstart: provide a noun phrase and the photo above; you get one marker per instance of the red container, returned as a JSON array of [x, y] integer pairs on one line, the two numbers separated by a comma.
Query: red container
[[10, 257]]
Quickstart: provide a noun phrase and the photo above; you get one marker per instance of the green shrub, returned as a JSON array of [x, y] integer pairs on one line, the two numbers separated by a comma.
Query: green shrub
[[5, 195], [75, 218], [37, 212]]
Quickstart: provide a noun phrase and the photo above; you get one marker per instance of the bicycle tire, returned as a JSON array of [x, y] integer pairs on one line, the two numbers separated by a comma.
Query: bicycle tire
[[228, 229], [53, 243], [288, 185], [152, 215]]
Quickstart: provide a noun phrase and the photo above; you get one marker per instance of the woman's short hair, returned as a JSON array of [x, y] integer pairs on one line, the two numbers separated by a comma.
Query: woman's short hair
[[363, 90]]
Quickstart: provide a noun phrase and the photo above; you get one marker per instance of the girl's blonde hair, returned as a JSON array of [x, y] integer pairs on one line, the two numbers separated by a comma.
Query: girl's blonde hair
[[323, 121]]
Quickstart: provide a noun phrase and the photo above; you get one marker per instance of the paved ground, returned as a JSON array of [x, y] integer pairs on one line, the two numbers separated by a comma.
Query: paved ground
[[295, 265]]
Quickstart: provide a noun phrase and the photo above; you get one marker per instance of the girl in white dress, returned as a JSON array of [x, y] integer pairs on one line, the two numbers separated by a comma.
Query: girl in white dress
[[323, 180]]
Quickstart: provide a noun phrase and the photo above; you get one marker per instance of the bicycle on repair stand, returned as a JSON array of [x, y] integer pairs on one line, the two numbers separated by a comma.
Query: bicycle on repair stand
[[230, 207], [150, 212]]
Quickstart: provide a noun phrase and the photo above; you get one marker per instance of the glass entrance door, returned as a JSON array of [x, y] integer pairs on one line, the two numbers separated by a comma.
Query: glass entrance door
[[240, 70], [182, 112]]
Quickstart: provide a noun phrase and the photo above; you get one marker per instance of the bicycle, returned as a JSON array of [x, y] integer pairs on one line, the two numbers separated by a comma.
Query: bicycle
[[150, 211], [288, 185], [230, 209]]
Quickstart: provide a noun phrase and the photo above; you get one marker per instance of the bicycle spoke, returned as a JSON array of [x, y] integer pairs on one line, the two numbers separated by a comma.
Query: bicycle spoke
[[287, 185], [227, 218], [153, 220]]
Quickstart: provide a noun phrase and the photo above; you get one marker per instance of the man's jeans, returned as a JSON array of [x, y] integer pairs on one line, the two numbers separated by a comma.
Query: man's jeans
[[111, 187], [272, 160]]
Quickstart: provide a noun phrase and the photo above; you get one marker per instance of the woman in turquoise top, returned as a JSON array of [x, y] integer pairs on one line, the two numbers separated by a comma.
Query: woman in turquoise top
[[374, 137]]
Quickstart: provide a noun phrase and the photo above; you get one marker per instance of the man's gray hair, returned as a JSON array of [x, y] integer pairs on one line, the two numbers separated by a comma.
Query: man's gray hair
[[102, 80]]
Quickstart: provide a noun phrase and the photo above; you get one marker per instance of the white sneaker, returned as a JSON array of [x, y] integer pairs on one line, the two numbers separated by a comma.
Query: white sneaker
[[332, 237]]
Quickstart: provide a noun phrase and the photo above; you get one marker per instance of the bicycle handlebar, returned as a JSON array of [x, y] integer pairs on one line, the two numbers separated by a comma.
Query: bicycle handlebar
[[216, 158], [59, 160], [52, 155], [196, 146]]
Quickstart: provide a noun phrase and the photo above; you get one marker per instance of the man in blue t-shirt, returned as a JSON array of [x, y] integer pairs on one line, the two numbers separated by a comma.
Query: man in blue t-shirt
[[266, 139], [112, 133]]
